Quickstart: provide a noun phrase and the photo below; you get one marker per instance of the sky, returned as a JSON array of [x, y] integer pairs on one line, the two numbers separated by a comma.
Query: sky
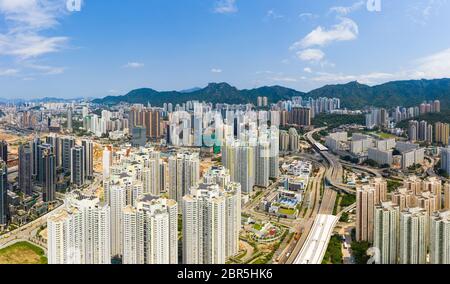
[[97, 48]]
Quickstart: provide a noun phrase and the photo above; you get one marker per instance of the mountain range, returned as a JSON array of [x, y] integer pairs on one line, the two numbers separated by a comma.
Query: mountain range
[[353, 95]]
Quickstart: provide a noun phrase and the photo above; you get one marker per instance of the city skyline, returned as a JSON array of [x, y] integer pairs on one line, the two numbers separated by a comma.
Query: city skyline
[[48, 51]]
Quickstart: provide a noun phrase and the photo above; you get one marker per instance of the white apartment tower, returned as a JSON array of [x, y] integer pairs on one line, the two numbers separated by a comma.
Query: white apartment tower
[[440, 238], [262, 164], [413, 232], [184, 172], [386, 232], [80, 233], [150, 232], [365, 204], [204, 226]]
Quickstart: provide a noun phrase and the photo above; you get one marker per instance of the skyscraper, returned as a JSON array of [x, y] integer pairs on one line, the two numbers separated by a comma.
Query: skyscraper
[[67, 144], [184, 172], [445, 160], [116, 198], [69, 119], [80, 233], [25, 169], [150, 231], [413, 236], [55, 142], [447, 196], [4, 207], [442, 133], [365, 204], [262, 164], [239, 157], [151, 175], [300, 116], [77, 169], [4, 151], [440, 238], [106, 162], [386, 231], [204, 226], [34, 144], [49, 176], [88, 150]]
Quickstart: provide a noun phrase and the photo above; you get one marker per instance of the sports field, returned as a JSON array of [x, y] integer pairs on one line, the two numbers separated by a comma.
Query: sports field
[[22, 253]]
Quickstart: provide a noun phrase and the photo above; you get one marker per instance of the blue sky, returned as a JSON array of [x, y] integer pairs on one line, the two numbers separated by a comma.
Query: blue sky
[[112, 46]]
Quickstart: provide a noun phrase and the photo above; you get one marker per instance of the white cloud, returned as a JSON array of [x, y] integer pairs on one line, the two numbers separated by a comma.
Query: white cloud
[[216, 70], [307, 70], [284, 79], [311, 55], [46, 70], [370, 78], [271, 14], [346, 30], [226, 7], [134, 65], [421, 11], [433, 66], [8, 72], [345, 10], [26, 19], [308, 16]]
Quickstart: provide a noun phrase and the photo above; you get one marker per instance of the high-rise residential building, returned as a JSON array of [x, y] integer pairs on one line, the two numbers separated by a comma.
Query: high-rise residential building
[[232, 193], [380, 185], [34, 144], [67, 143], [447, 196], [204, 226], [116, 197], [423, 131], [150, 231], [437, 106], [239, 157], [152, 123], [434, 186], [42, 149], [69, 119], [4, 206], [274, 160], [262, 164], [184, 172], [151, 175], [413, 130], [211, 219], [4, 151], [88, 150], [49, 176], [300, 116], [365, 204], [445, 160], [413, 236], [25, 169], [80, 233], [386, 231], [77, 169], [55, 142], [441, 133], [107, 162], [430, 134], [440, 238]]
